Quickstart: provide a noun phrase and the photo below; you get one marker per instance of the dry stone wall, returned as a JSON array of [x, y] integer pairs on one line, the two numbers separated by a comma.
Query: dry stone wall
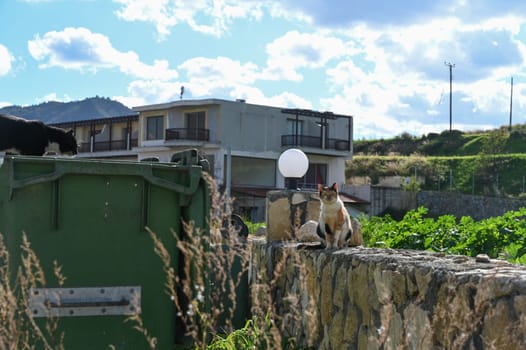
[[460, 204], [367, 298]]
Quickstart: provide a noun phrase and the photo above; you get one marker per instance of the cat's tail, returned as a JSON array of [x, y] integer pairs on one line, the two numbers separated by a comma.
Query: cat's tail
[[348, 236], [356, 239]]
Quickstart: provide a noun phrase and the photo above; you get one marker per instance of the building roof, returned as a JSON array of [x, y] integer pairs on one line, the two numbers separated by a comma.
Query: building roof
[[217, 101], [181, 103], [105, 120]]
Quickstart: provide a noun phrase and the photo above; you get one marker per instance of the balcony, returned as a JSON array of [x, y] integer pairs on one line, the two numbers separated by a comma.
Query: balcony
[[314, 142], [187, 134], [104, 146]]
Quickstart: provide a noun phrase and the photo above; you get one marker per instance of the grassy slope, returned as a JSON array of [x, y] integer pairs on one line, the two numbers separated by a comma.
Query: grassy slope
[[491, 163]]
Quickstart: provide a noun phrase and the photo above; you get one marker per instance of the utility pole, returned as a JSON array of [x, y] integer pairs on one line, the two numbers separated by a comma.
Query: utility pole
[[511, 101], [450, 93]]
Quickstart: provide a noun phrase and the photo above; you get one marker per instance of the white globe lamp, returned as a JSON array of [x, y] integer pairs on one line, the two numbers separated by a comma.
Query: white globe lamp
[[293, 164]]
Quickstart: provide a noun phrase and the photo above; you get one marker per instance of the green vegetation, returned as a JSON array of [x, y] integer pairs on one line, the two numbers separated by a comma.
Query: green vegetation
[[454, 143], [498, 237], [501, 174], [251, 336], [484, 163], [253, 227]]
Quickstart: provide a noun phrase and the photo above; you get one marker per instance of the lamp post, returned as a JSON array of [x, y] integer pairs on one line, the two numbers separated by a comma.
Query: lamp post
[[293, 165]]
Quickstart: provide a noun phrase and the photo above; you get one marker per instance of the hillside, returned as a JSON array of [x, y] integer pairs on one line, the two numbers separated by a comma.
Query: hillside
[[488, 163], [57, 112], [455, 143]]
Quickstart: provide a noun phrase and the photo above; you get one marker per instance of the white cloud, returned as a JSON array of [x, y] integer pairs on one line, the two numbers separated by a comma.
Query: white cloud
[[376, 60], [131, 101], [54, 97], [152, 91], [398, 82], [220, 69], [80, 49], [256, 96], [209, 76], [6, 60], [388, 14], [205, 16], [294, 51], [142, 92]]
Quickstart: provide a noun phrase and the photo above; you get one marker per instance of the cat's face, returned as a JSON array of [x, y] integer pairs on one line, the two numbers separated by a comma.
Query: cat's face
[[328, 194]]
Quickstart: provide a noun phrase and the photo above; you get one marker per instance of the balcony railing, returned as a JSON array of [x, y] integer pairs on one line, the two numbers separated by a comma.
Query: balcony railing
[[187, 134], [314, 141], [103, 146]]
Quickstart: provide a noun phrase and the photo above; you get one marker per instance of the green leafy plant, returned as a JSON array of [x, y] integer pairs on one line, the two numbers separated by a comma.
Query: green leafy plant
[[503, 236], [248, 337]]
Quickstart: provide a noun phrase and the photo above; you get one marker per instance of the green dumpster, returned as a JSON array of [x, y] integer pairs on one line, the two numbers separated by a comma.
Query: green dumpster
[[90, 216]]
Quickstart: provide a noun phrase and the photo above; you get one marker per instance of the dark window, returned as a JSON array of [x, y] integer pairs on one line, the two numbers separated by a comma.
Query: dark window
[[196, 120], [154, 128], [253, 172], [291, 127], [316, 174]]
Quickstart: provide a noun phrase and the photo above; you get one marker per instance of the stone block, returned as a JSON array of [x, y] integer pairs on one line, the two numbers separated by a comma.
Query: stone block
[[287, 211]]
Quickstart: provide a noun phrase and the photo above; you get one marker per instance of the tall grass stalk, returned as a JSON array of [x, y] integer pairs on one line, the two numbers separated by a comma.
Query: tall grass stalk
[[213, 262], [18, 328]]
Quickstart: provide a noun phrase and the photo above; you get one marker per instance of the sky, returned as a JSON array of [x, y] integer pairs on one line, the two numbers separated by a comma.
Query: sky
[[385, 62]]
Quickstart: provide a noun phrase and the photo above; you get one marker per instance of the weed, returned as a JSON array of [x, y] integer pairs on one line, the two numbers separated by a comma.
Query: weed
[[18, 328]]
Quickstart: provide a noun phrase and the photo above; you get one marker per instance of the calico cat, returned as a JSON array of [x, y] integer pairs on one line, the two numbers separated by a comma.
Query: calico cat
[[31, 137], [334, 226]]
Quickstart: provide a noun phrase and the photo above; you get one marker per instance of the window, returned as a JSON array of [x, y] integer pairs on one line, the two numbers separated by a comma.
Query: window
[[316, 174], [154, 128], [195, 120], [253, 172], [291, 127]]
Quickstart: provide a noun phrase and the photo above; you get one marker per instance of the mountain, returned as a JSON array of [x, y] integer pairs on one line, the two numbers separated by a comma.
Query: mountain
[[59, 112]]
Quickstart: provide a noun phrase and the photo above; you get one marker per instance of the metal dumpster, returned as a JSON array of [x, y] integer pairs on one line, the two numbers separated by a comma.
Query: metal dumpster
[[90, 216]]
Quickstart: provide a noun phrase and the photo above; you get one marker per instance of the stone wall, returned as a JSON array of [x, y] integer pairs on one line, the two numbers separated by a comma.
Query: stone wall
[[365, 298], [391, 200], [459, 204]]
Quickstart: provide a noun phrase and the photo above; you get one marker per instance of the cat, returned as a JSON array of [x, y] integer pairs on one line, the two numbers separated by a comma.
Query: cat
[[334, 226], [31, 137]]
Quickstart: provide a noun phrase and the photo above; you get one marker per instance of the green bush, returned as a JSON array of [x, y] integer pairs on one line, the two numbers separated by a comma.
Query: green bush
[[503, 236]]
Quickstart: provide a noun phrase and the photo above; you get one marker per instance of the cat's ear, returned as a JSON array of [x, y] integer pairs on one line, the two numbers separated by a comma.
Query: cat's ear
[[320, 187], [334, 186]]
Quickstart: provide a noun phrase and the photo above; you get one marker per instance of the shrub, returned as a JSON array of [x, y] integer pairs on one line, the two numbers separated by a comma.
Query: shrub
[[503, 236]]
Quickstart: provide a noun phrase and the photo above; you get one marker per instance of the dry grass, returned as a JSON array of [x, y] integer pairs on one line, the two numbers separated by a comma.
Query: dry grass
[[213, 263], [18, 329], [292, 314]]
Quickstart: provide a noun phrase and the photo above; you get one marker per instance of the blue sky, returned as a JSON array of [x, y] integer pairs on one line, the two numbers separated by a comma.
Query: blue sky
[[381, 61]]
